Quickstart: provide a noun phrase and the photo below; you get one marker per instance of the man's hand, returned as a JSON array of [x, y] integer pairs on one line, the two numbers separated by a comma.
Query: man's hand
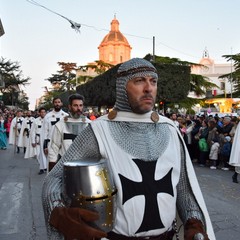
[[73, 223], [193, 229], [45, 151], [51, 165]]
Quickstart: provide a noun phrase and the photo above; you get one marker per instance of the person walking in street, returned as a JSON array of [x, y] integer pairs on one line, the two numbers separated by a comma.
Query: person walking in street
[[150, 164], [49, 121], [15, 128], [66, 130], [24, 135], [35, 136]]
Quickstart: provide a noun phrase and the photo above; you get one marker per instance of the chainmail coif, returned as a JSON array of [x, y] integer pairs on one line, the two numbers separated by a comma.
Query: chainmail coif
[[136, 67]]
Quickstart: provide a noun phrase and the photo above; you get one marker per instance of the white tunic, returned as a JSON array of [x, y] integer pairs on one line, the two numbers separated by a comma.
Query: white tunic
[[127, 171], [15, 129], [49, 121], [23, 140], [63, 136], [34, 138]]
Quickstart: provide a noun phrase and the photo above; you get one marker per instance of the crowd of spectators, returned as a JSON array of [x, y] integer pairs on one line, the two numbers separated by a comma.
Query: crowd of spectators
[[208, 138]]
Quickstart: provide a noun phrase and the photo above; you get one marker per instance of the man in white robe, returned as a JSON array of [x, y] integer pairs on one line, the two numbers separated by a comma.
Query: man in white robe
[[15, 129], [65, 131], [37, 150], [24, 136], [49, 121]]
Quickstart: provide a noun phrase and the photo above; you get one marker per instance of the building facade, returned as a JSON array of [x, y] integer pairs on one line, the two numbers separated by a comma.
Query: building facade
[[212, 71]]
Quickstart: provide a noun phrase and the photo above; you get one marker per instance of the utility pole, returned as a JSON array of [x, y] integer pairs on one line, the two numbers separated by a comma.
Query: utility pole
[[153, 49], [231, 74]]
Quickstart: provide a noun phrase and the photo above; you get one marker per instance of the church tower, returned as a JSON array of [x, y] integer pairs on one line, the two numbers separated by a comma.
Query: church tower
[[114, 47]]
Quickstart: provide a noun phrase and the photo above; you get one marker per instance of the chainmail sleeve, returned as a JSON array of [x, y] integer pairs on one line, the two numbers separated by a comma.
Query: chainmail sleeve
[[187, 206], [84, 146]]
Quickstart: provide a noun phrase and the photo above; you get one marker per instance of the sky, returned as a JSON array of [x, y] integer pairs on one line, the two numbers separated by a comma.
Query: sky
[[37, 39]]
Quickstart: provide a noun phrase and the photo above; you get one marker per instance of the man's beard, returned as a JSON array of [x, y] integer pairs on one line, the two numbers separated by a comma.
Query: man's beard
[[76, 115], [57, 108]]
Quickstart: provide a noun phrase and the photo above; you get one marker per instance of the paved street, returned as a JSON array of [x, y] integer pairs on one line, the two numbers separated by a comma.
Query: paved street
[[21, 215]]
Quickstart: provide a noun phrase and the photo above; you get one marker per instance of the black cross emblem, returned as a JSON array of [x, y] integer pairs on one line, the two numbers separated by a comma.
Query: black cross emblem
[[54, 122], [30, 124], [149, 187], [67, 136], [19, 121]]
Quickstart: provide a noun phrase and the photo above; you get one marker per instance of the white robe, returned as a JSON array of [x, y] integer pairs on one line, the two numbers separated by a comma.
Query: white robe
[[14, 132], [23, 140], [125, 223], [59, 142], [34, 138], [49, 121]]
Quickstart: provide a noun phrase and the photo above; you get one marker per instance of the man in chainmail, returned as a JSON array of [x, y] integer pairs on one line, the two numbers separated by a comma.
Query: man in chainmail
[[66, 130], [148, 151]]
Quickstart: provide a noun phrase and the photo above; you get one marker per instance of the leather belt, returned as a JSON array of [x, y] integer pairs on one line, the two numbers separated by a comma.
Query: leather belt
[[164, 236]]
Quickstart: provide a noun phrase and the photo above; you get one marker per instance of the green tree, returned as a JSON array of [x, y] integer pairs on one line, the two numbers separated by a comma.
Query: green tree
[[63, 84], [198, 84], [14, 80], [99, 66], [234, 76], [101, 90], [65, 79]]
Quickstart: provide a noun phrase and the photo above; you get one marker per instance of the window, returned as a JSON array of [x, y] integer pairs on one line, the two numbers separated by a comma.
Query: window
[[222, 85]]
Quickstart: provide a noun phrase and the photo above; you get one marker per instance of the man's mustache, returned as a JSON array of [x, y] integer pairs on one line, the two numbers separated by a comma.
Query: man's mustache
[[147, 96]]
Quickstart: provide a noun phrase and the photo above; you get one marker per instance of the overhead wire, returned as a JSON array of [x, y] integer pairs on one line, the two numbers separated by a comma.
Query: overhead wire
[[77, 26]]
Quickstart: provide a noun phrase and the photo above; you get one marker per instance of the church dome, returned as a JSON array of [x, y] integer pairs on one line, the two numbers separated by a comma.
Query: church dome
[[114, 48], [114, 35]]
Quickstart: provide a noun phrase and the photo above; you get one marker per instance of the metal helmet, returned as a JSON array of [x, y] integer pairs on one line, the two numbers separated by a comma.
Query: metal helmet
[[89, 184]]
